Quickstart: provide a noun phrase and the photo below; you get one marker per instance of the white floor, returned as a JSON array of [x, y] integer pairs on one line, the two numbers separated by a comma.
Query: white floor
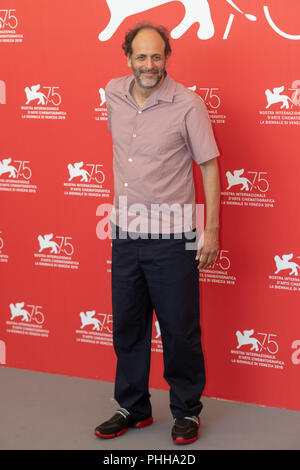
[[54, 412]]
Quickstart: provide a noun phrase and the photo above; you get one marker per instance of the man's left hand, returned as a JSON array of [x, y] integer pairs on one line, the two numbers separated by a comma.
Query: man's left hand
[[208, 248]]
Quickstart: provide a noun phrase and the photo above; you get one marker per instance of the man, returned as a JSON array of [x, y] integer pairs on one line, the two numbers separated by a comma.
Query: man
[[158, 127]]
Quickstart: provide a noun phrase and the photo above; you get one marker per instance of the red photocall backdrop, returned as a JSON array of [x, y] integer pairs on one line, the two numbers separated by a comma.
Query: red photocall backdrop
[[242, 58]]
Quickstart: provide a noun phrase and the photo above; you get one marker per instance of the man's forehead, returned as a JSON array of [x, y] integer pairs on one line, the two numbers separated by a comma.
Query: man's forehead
[[148, 41]]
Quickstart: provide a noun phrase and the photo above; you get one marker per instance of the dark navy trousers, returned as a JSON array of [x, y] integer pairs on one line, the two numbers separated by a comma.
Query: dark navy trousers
[[158, 274]]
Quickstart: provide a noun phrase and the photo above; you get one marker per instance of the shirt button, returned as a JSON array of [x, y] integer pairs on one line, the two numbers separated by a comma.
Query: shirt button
[[130, 159], [133, 135], [125, 184], [140, 111]]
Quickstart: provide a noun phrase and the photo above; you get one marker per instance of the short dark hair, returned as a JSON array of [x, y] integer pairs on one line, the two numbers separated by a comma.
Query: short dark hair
[[130, 35]]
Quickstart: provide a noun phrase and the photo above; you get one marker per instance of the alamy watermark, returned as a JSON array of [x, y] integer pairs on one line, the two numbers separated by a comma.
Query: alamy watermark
[[153, 221]]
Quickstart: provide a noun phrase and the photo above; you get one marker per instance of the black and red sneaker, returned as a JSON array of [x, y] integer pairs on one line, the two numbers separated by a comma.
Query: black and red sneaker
[[119, 423], [186, 430]]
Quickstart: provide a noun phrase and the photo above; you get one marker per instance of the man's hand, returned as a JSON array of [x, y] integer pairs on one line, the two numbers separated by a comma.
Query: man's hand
[[208, 248]]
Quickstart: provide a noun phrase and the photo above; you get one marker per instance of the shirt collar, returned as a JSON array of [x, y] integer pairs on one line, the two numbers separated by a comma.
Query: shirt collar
[[164, 93]]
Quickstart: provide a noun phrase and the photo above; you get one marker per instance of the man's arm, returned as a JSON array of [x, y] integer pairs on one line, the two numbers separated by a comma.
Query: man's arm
[[208, 253]]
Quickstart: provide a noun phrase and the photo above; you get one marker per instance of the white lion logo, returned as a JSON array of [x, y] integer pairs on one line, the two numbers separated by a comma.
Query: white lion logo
[[276, 97], [102, 96], [87, 319], [158, 332], [235, 179], [284, 263], [6, 168], [33, 94], [196, 11], [244, 339], [45, 242], [17, 310], [75, 170]]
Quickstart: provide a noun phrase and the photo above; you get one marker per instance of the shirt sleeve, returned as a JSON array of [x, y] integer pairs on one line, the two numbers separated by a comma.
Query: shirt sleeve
[[108, 106], [198, 133], [108, 115]]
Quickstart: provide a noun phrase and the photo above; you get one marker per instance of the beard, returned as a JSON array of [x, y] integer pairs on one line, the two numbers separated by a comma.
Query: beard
[[147, 82]]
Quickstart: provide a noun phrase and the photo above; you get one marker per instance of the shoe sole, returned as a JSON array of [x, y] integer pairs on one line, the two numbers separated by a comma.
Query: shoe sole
[[182, 441], [138, 425]]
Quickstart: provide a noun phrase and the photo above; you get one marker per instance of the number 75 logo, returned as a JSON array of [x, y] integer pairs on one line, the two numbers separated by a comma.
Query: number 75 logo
[[34, 93], [8, 19]]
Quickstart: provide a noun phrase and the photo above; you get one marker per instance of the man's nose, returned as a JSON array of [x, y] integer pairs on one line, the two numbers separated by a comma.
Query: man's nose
[[149, 63]]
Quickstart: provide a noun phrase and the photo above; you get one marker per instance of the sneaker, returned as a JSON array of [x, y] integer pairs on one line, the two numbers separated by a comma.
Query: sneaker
[[185, 430], [119, 423]]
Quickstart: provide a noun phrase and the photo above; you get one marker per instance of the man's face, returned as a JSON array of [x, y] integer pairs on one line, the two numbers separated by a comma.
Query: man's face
[[148, 59]]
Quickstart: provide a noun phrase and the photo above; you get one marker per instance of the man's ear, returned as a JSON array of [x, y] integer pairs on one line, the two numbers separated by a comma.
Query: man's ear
[[129, 60]]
